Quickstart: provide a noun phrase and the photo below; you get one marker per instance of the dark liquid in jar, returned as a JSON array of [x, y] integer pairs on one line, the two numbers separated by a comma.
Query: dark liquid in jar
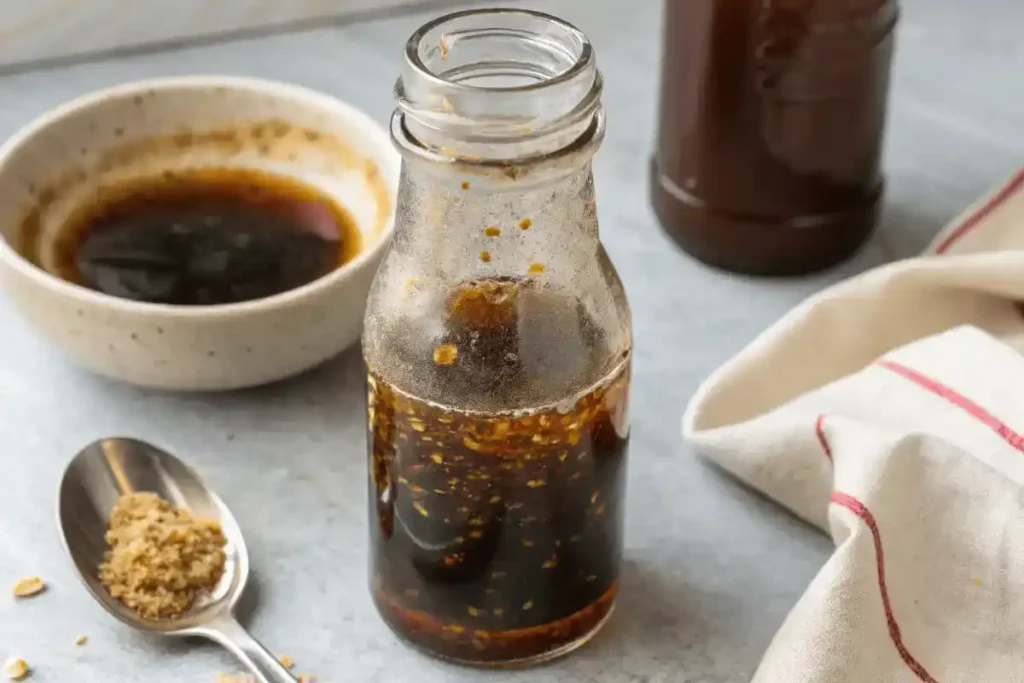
[[771, 129], [205, 236], [496, 536]]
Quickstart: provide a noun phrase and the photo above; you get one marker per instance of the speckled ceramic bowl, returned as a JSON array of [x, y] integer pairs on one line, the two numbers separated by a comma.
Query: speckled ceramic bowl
[[58, 161]]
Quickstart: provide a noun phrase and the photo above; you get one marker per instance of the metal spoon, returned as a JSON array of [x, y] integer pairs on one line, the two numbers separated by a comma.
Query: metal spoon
[[104, 471]]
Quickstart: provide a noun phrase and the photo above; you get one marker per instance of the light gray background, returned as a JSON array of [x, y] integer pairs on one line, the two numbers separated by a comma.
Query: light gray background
[[711, 569]]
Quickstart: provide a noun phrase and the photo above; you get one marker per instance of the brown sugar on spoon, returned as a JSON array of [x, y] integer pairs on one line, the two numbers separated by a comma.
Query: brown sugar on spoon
[[160, 558]]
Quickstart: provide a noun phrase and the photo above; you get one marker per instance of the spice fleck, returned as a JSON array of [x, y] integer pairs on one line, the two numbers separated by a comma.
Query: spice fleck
[[412, 285], [445, 354]]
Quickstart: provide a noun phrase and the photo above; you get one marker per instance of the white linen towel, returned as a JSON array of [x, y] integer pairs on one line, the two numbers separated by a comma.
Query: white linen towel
[[889, 411]]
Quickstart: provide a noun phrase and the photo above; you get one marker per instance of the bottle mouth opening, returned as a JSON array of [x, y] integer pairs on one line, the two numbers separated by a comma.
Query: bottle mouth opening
[[499, 50], [498, 83]]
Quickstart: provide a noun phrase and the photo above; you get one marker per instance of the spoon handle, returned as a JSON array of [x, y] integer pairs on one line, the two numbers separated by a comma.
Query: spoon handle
[[227, 632]]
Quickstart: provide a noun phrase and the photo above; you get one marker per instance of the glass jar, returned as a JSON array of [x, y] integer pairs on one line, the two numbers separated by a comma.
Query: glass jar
[[772, 121], [497, 343]]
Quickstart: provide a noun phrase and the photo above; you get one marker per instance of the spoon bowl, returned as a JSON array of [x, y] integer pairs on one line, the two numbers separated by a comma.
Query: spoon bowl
[[103, 472]]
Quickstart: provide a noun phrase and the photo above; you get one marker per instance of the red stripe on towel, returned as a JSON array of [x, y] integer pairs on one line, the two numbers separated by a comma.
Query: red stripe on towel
[[1012, 186], [858, 508], [959, 400], [819, 429]]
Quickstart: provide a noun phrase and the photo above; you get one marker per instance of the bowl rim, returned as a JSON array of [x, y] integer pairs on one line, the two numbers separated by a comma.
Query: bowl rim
[[377, 134]]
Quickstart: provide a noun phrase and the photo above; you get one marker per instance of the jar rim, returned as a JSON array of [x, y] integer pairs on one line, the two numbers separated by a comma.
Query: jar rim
[[583, 61], [501, 84]]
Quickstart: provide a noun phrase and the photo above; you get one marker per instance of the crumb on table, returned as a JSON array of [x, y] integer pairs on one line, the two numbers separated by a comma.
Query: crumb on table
[[236, 678], [16, 668], [28, 587]]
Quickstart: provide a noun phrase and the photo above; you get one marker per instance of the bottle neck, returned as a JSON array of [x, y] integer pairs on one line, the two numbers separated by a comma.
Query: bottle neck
[[478, 231]]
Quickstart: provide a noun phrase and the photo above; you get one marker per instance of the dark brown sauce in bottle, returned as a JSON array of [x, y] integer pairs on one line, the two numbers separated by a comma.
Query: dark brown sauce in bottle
[[204, 237], [771, 129], [498, 534]]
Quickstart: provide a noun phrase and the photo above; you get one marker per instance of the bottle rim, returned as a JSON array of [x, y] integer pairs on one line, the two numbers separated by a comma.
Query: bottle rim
[[497, 84], [583, 61]]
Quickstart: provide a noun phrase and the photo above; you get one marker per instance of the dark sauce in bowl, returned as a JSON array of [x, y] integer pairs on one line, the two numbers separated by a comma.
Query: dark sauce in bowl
[[204, 237]]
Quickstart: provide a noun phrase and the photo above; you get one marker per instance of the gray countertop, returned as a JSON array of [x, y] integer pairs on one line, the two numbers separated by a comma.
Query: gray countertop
[[711, 569]]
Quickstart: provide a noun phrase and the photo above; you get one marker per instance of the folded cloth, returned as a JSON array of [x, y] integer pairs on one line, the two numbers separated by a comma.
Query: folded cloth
[[888, 410]]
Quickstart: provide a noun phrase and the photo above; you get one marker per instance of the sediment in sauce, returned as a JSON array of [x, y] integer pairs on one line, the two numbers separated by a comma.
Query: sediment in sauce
[[496, 535]]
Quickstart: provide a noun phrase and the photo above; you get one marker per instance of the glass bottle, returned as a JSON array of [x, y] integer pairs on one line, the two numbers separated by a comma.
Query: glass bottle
[[771, 129], [497, 342]]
